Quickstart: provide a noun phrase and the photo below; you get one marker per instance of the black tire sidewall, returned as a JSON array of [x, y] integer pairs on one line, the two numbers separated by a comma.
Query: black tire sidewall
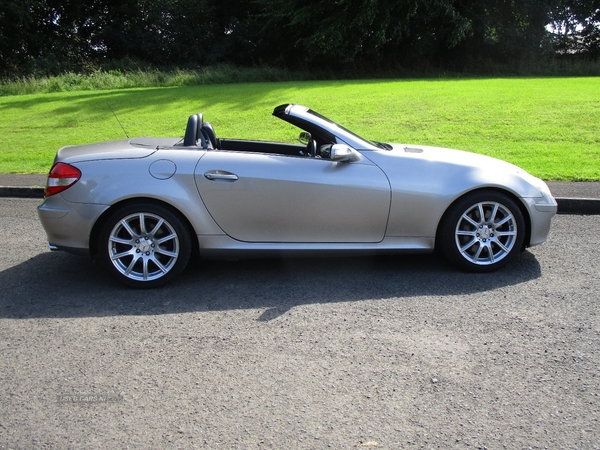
[[172, 218]]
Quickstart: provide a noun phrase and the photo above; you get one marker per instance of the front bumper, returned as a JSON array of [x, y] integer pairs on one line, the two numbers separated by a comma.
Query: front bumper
[[541, 211]]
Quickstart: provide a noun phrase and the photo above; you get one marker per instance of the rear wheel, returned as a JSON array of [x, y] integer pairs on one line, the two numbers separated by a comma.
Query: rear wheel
[[482, 232], [144, 245]]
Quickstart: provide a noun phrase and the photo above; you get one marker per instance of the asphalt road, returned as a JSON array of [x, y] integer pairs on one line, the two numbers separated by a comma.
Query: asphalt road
[[386, 352]]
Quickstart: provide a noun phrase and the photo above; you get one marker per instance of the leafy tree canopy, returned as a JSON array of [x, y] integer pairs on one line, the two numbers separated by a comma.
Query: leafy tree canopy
[[52, 36]]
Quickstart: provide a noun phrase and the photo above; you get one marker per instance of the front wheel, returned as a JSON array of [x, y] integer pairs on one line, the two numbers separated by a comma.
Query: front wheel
[[144, 245], [482, 231]]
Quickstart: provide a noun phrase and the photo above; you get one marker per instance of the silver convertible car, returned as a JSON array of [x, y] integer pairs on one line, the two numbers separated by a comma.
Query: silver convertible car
[[144, 206]]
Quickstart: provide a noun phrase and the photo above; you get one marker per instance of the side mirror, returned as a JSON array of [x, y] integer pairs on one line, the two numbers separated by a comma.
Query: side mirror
[[304, 138], [343, 153]]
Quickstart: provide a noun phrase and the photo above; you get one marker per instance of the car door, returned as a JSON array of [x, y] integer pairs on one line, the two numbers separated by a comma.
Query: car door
[[258, 197]]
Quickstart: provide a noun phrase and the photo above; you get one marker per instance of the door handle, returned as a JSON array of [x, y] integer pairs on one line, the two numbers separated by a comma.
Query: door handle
[[215, 175]]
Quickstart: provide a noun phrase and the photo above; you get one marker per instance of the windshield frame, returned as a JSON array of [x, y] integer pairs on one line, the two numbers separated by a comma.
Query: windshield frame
[[315, 123]]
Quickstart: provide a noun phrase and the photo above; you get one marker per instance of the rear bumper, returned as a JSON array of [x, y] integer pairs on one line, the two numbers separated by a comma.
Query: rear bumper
[[68, 225]]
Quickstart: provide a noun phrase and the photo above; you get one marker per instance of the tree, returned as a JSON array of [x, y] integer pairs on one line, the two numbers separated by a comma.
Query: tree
[[387, 33], [54, 36], [576, 27]]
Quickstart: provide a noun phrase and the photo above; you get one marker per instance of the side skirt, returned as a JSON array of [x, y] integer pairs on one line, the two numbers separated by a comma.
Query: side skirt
[[224, 247]]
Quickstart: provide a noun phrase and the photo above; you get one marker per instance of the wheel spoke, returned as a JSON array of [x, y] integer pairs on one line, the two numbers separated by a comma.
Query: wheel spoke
[[504, 220], [133, 262], [505, 233], [471, 221], [493, 215], [159, 265], [126, 226], [465, 247], [481, 213], [475, 257], [118, 240], [165, 239], [168, 253], [491, 256], [142, 219], [502, 246], [118, 256], [157, 227]]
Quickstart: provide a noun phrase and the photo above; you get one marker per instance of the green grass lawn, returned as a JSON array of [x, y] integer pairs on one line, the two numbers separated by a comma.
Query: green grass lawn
[[548, 126]]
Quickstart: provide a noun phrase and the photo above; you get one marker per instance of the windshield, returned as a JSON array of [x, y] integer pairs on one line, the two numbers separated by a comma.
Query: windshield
[[346, 131]]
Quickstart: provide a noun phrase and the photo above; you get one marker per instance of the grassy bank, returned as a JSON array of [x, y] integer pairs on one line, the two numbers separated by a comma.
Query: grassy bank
[[146, 78], [132, 74], [548, 126]]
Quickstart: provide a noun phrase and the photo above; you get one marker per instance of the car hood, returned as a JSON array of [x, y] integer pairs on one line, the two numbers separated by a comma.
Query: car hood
[[463, 168], [451, 156], [123, 149]]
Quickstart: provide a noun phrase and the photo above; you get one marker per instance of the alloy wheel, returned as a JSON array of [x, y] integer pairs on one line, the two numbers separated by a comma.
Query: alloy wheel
[[143, 246], [486, 233]]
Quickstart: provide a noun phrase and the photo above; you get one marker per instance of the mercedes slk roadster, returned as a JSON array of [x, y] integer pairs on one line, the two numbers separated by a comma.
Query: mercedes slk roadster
[[144, 206]]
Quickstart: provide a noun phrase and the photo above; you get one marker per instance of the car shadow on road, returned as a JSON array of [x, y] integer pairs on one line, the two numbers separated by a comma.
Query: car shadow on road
[[59, 285]]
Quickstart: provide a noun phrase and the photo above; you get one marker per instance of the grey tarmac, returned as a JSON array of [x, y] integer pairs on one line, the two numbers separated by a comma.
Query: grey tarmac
[[383, 352]]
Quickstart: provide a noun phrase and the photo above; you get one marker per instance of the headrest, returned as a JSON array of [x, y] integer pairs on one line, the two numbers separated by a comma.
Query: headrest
[[193, 130]]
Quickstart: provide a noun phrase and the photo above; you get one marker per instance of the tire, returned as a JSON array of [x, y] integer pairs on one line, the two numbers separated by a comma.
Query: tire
[[482, 231], [144, 245]]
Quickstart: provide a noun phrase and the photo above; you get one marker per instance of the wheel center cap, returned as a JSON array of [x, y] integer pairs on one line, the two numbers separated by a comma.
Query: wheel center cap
[[485, 233], [144, 246]]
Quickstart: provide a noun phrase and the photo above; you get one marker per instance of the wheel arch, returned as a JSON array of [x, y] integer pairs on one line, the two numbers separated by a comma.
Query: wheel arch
[[96, 229], [512, 196]]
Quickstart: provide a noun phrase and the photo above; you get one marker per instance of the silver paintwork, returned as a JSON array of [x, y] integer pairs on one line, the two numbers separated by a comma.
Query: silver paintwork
[[248, 203], [290, 199]]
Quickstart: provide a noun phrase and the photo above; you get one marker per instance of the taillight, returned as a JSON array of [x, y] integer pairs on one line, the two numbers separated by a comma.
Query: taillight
[[62, 176]]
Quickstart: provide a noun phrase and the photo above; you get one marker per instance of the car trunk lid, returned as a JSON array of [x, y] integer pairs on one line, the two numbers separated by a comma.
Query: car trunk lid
[[123, 149]]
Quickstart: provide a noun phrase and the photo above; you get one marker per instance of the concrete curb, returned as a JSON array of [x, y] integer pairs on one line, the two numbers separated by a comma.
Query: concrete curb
[[21, 192], [582, 206]]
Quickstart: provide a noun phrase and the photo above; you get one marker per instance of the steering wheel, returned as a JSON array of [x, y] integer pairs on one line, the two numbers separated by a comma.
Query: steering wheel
[[311, 148]]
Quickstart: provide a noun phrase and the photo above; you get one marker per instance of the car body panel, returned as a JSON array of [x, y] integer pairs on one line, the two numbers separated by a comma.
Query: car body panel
[[68, 224], [106, 183], [103, 151], [426, 180], [224, 247], [258, 197]]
